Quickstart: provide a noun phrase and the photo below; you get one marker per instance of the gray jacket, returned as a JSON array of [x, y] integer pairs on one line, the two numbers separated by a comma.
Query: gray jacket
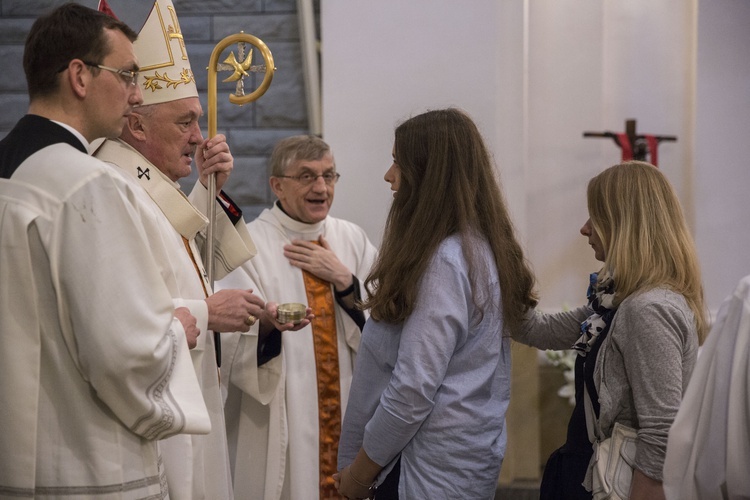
[[643, 367]]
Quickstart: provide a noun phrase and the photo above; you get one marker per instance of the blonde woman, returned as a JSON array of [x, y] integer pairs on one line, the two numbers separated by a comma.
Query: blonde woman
[[638, 336]]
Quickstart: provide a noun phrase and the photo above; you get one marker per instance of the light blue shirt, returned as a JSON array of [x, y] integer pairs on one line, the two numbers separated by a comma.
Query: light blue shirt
[[435, 389]]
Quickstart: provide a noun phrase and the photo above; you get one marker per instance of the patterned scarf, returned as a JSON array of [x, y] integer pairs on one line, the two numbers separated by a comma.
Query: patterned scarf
[[601, 298]]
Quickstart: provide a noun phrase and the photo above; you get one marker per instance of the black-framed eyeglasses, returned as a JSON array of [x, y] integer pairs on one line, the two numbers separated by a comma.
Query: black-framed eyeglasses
[[307, 178], [129, 76]]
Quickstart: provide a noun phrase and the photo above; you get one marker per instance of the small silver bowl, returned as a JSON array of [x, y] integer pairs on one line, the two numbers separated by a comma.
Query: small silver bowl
[[291, 313]]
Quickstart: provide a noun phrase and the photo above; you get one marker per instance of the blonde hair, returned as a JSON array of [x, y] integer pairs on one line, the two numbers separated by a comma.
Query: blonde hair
[[638, 217]]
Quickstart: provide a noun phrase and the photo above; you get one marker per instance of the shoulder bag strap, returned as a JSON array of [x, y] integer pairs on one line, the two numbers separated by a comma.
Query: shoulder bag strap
[[591, 423]]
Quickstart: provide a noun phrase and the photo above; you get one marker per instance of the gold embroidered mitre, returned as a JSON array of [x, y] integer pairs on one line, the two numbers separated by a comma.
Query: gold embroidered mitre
[[165, 73]]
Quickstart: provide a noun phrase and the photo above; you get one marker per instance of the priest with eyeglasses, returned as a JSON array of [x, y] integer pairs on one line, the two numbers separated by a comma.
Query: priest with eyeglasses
[[285, 446]]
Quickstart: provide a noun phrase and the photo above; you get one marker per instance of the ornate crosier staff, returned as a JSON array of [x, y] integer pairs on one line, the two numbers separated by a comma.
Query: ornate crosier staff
[[240, 68]]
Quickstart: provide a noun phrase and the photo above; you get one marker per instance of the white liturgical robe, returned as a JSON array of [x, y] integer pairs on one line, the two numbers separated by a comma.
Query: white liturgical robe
[[94, 366], [197, 466], [273, 437], [708, 453]]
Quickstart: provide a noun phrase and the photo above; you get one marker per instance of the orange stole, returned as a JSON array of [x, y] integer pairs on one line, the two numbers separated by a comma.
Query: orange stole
[[320, 300]]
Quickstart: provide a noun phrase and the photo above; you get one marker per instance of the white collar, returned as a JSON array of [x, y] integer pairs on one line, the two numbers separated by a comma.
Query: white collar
[[296, 229], [75, 133]]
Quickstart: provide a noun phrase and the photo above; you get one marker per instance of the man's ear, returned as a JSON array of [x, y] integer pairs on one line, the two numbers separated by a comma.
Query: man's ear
[[136, 126], [78, 78], [275, 184]]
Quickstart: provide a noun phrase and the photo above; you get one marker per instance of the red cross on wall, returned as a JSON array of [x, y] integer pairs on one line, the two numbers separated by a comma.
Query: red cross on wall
[[634, 146]]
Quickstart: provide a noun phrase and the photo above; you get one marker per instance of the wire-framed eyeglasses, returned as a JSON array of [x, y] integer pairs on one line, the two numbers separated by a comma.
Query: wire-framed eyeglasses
[[129, 76], [307, 178]]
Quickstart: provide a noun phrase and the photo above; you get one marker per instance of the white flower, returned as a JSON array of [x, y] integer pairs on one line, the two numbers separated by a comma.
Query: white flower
[[565, 361]]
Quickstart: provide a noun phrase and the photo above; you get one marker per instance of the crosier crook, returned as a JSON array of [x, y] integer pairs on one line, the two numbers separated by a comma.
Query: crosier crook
[[240, 70]]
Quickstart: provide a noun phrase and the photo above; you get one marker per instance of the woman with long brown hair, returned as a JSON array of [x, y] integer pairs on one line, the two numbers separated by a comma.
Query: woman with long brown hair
[[431, 385]]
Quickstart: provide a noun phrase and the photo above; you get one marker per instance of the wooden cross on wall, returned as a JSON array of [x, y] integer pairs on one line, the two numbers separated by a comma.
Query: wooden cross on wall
[[634, 146]]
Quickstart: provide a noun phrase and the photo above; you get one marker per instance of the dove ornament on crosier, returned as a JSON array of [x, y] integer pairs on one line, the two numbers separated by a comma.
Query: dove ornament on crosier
[[240, 69]]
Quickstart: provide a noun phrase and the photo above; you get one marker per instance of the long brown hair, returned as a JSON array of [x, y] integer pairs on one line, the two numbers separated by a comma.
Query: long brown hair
[[447, 186], [647, 243]]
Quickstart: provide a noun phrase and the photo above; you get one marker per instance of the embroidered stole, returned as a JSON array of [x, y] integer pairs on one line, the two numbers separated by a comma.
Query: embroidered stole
[[320, 299], [204, 284], [201, 275]]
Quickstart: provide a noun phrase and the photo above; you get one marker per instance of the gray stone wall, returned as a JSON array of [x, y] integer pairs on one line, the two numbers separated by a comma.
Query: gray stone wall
[[251, 130]]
